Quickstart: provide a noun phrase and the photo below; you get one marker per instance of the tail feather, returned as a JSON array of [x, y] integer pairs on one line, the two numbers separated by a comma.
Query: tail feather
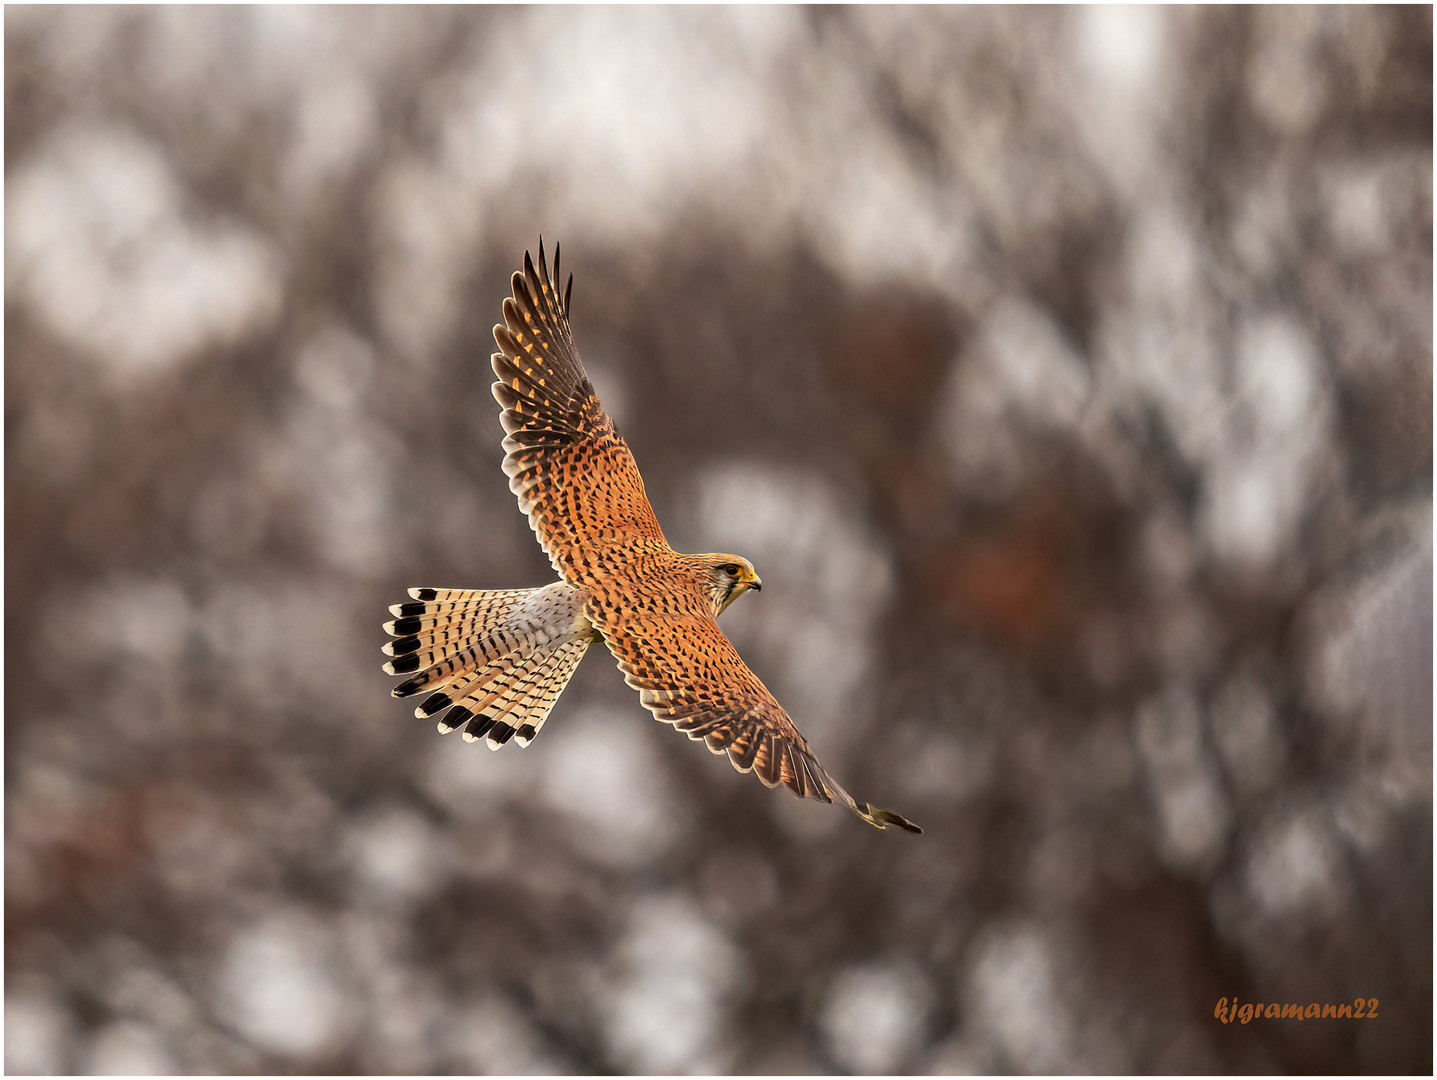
[[445, 601], [461, 596], [437, 665], [481, 632], [529, 713], [446, 628], [517, 702], [423, 624], [489, 698], [465, 696], [453, 637], [493, 662]]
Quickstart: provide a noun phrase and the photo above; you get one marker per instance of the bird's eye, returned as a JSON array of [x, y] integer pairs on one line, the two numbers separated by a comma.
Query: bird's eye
[[731, 570]]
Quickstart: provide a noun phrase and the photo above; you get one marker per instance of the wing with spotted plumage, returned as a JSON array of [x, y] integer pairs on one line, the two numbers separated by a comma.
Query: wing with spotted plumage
[[688, 674], [569, 467]]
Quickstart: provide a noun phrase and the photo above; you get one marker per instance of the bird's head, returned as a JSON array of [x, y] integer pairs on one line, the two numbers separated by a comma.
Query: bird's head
[[728, 578]]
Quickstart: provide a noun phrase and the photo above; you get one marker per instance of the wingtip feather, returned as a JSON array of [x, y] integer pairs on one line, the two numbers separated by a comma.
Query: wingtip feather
[[880, 818]]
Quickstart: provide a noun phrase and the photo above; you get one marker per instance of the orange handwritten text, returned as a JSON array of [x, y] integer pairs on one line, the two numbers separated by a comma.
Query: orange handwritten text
[[1360, 1009]]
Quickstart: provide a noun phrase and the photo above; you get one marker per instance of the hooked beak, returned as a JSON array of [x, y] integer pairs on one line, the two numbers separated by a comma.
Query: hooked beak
[[756, 585]]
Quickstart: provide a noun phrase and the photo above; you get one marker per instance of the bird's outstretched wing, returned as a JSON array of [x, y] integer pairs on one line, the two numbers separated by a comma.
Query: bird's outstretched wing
[[569, 466], [688, 674]]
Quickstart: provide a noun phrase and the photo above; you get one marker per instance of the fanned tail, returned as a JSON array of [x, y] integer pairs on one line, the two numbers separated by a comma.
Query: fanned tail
[[493, 661]]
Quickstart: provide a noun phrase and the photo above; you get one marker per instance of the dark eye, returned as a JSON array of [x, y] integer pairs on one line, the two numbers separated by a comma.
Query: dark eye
[[731, 569]]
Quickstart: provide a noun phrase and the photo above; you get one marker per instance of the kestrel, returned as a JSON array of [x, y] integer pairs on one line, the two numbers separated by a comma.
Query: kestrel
[[493, 662]]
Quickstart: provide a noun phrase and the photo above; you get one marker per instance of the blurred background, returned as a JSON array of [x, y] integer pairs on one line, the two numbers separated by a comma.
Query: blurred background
[[1066, 374]]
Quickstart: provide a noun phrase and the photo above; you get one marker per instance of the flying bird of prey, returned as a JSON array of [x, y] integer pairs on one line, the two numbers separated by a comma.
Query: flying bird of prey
[[493, 662]]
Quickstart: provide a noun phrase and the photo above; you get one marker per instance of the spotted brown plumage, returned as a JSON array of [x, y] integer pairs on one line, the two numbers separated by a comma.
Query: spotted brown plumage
[[494, 662]]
